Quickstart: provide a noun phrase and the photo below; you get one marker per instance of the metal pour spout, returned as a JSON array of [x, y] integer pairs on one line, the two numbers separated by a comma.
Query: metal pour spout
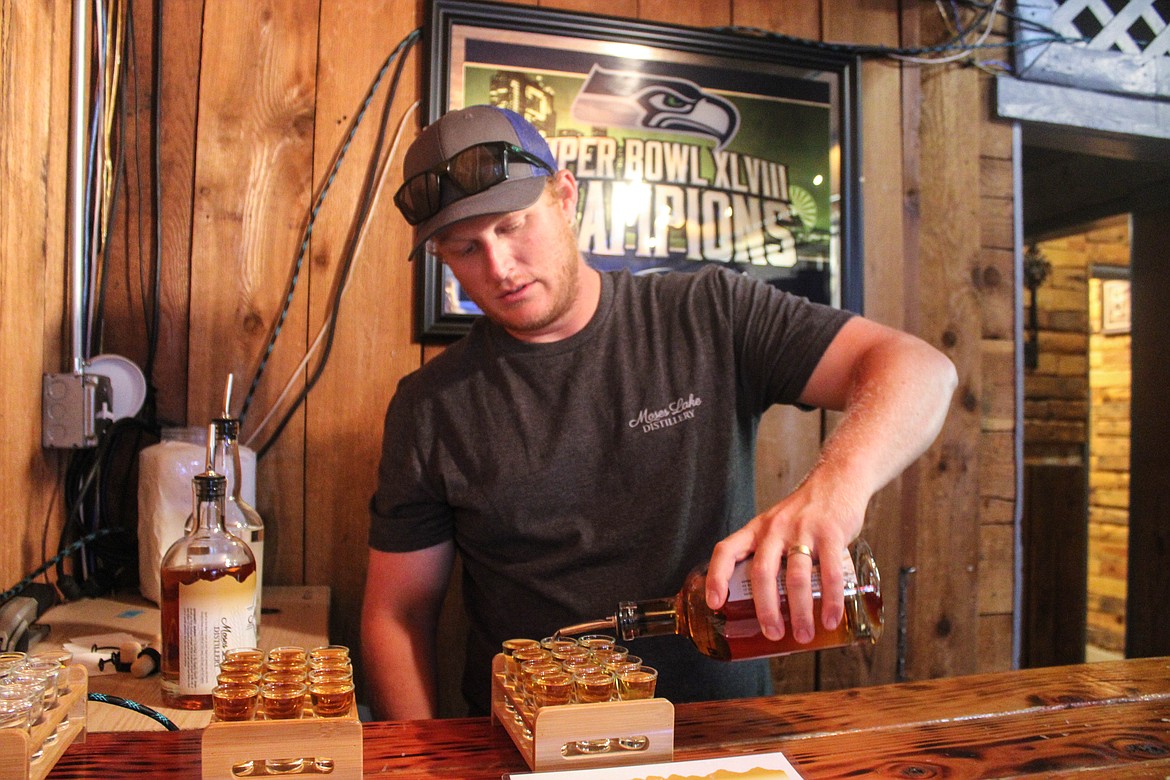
[[583, 628]]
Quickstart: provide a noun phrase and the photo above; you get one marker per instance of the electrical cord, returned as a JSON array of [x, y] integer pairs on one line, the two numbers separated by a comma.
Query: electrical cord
[[323, 331], [19, 587], [953, 50], [960, 35], [407, 42], [130, 704], [85, 496], [349, 252]]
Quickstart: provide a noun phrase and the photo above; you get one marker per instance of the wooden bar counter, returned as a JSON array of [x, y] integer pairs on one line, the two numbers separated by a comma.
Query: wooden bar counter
[[1103, 720]]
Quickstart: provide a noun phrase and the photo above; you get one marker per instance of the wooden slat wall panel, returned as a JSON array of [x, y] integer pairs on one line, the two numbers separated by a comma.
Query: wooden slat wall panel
[[181, 36], [252, 193], [800, 20], [942, 626], [627, 8], [371, 346], [34, 88], [993, 278], [712, 13]]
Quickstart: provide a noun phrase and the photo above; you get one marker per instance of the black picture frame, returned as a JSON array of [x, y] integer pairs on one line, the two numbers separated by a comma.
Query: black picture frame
[[791, 115]]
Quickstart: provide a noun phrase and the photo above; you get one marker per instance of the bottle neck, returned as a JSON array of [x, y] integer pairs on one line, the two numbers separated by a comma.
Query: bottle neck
[[653, 617], [226, 459], [209, 505]]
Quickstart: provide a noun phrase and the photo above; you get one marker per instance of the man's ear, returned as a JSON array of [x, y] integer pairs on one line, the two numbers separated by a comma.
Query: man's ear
[[564, 190]]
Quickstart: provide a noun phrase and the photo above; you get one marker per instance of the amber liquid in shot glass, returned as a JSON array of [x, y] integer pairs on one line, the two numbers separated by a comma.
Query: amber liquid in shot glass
[[331, 698], [551, 688], [636, 683], [593, 686], [234, 701], [283, 701]]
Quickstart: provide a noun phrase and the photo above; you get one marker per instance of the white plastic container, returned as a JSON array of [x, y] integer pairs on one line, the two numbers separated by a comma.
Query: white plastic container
[[165, 471]]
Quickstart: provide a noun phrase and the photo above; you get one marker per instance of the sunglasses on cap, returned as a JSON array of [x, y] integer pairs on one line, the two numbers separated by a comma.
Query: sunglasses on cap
[[470, 171]]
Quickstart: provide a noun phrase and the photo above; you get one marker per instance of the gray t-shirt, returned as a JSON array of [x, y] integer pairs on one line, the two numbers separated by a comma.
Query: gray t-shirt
[[597, 469]]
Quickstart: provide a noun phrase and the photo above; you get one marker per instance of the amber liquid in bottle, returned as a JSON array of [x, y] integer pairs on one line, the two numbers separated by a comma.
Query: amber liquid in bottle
[[171, 579], [207, 587], [732, 633]]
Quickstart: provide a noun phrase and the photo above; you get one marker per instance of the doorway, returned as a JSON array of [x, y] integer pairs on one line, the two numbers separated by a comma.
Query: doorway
[[1076, 445], [1093, 521]]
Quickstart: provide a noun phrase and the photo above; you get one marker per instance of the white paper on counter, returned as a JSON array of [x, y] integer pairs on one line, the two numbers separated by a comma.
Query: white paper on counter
[[757, 766]]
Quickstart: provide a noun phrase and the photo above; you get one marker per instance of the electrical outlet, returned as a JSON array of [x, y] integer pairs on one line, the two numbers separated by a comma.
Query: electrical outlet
[[75, 409]]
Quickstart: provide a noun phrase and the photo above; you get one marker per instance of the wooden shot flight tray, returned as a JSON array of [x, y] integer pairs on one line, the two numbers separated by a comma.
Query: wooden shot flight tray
[[56, 730], [326, 747], [639, 732]]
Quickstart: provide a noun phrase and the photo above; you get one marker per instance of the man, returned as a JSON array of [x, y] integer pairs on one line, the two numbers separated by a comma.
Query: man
[[592, 439]]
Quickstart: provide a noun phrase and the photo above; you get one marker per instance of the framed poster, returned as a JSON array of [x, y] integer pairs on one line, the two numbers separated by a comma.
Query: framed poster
[[1115, 306], [690, 146]]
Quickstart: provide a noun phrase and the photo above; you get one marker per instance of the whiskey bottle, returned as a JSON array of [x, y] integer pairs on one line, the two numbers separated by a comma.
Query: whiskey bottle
[[240, 519], [208, 586], [732, 633]]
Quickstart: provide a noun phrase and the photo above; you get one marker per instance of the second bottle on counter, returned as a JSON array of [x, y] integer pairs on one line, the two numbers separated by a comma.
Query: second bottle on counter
[[240, 519]]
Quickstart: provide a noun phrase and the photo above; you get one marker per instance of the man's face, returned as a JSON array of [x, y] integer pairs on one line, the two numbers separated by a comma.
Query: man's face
[[522, 268]]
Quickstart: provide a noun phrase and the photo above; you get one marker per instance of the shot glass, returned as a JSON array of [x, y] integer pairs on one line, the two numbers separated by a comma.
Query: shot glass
[[331, 698], [240, 677], [11, 659], [16, 714], [11, 690], [283, 700], [551, 688], [594, 685], [636, 683], [248, 655], [594, 642], [235, 701], [610, 655], [45, 682], [529, 670], [63, 657], [287, 654], [553, 644], [240, 664], [328, 655], [519, 656], [625, 664], [331, 674], [570, 653], [297, 675], [579, 665], [52, 669]]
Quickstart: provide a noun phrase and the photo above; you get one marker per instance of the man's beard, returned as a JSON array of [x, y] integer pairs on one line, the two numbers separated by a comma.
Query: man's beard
[[562, 284]]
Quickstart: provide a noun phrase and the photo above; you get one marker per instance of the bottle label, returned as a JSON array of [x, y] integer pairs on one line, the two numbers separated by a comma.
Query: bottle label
[[214, 616], [740, 587]]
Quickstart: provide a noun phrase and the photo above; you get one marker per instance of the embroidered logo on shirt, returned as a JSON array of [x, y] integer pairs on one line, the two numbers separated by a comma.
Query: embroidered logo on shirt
[[671, 414]]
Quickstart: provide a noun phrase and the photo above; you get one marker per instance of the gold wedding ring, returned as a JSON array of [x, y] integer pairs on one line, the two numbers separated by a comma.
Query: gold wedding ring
[[799, 549]]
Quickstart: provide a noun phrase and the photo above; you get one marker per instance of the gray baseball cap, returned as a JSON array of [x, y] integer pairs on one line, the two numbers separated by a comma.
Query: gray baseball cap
[[459, 130]]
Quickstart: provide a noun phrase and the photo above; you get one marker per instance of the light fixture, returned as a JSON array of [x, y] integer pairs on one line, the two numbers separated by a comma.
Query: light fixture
[[1036, 271]]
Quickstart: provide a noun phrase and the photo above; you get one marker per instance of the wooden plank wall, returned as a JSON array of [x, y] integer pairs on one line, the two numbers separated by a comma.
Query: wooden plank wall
[[34, 110], [254, 100]]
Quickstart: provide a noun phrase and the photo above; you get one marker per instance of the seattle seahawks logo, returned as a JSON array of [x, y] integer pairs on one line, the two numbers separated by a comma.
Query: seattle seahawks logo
[[631, 99]]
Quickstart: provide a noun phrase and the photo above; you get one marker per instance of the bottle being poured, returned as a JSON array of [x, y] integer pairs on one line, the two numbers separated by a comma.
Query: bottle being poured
[[732, 633]]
